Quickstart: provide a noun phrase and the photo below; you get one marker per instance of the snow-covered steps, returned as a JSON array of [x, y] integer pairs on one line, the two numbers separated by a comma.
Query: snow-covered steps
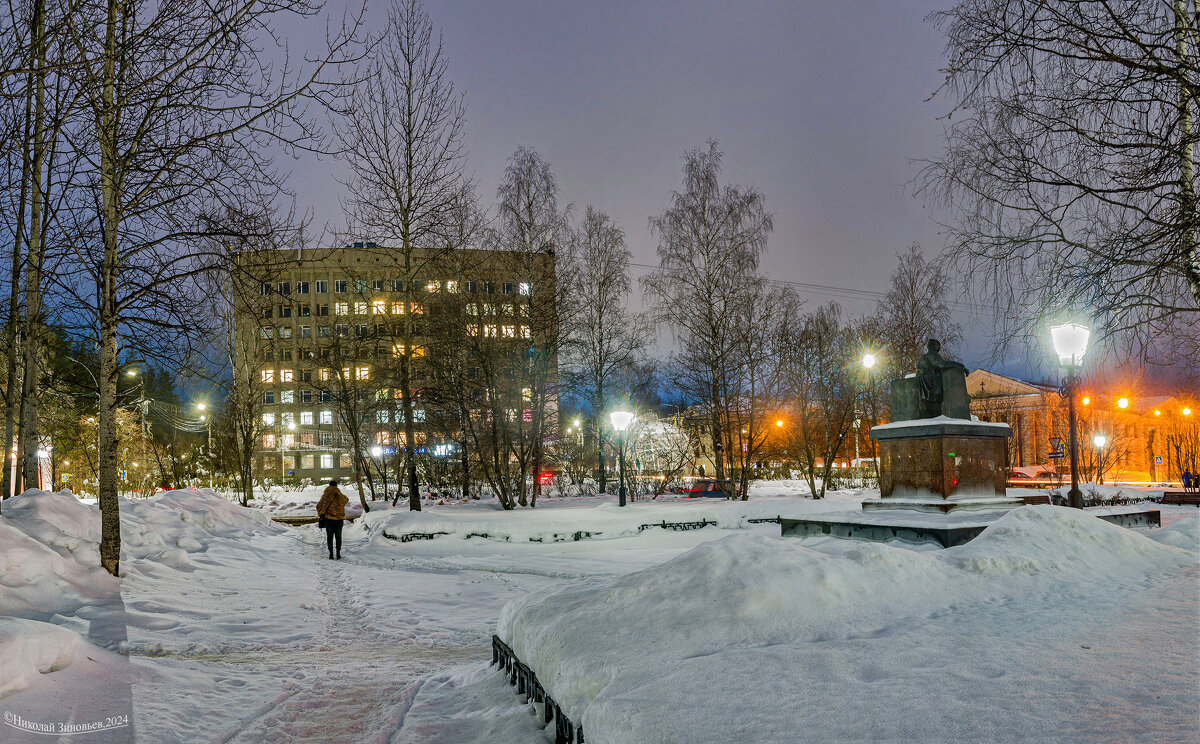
[[947, 530]]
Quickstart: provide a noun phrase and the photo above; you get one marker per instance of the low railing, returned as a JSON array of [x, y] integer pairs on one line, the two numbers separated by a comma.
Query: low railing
[[764, 520], [679, 526], [527, 684]]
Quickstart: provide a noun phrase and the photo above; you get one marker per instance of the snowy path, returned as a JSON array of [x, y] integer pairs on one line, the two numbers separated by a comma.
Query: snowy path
[[270, 641]]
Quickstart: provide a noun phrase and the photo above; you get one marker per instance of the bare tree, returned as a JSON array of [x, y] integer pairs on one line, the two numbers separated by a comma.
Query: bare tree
[[709, 243], [182, 105], [1070, 166], [607, 336], [530, 231], [402, 137], [914, 310], [821, 376]]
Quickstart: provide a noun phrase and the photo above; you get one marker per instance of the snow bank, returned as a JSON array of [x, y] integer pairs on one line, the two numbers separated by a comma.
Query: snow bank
[[30, 649], [759, 638], [49, 544], [600, 518], [1182, 533]]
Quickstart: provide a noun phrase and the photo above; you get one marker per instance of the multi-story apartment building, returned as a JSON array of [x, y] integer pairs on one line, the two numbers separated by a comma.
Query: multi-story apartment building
[[331, 339]]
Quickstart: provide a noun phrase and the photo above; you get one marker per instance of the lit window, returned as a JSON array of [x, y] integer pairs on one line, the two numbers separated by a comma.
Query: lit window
[[418, 415], [306, 462], [326, 461], [489, 309], [382, 417], [285, 418], [344, 460], [472, 308], [472, 329], [326, 417], [524, 331], [452, 287], [527, 393], [268, 375], [341, 308], [360, 308], [508, 310], [418, 309], [268, 441], [362, 373], [323, 374], [306, 417], [285, 375], [268, 419], [489, 331], [525, 288], [289, 441], [383, 437], [397, 308], [524, 311], [510, 331], [433, 287], [379, 307]]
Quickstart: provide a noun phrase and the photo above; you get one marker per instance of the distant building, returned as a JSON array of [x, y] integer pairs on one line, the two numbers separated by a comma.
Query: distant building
[[320, 344], [1146, 438]]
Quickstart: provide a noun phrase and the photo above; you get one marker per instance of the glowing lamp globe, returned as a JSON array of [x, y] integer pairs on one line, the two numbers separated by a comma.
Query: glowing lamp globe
[[868, 360], [1100, 440], [621, 420], [1122, 402], [1070, 343]]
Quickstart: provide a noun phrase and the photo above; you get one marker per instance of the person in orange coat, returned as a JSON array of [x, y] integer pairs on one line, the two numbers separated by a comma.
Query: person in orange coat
[[331, 511]]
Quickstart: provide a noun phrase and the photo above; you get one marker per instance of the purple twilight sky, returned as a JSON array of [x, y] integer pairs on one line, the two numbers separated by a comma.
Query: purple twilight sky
[[820, 105]]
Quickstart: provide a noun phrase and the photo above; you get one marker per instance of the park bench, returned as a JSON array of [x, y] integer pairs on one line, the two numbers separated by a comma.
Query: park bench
[[1181, 498]]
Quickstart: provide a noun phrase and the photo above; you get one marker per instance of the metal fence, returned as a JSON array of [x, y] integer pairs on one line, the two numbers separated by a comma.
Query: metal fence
[[526, 682]]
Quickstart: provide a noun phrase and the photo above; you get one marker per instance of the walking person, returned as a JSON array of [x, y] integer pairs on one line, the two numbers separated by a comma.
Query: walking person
[[1187, 480], [331, 511]]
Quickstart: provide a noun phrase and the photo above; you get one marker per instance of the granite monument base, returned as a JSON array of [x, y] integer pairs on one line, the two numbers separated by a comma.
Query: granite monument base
[[941, 465]]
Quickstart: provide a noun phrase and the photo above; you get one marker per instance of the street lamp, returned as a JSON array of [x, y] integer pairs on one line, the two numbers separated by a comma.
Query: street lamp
[[202, 407], [1070, 342], [869, 360], [621, 421]]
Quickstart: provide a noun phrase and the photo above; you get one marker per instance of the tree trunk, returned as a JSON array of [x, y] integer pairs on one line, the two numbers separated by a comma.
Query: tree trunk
[[11, 393], [110, 518], [1187, 193], [30, 440]]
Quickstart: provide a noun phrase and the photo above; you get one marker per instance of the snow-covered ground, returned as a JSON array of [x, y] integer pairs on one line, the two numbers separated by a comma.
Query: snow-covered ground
[[227, 628]]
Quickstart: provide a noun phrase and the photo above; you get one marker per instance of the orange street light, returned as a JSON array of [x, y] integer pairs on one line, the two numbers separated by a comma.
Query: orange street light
[[1157, 412], [1122, 402], [1187, 412], [1086, 400], [779, 422]]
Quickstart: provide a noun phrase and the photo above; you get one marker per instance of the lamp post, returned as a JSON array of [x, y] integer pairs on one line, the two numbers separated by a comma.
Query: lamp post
[[620, 423], [869, 361], [1070, 342], [202, 407]]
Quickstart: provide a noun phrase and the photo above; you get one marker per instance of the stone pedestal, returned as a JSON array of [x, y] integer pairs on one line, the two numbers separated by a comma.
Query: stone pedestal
[[942, 464]]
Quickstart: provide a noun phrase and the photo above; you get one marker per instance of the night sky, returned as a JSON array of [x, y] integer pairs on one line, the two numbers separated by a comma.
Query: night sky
[[823, 106]]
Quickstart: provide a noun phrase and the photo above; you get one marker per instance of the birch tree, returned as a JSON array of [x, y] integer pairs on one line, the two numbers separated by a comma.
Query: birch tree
[[607, 336], [1069, 166], [710, 241], [402, 138], [183, 104]]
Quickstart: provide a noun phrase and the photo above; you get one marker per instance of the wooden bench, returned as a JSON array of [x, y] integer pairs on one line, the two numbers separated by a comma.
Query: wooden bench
[[1181, 498]]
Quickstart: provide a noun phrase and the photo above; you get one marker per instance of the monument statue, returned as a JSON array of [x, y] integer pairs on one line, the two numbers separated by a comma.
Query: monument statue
[[929, 375]]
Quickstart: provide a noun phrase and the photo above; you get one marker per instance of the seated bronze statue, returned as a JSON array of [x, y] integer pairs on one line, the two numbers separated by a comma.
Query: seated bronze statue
[[929, 376]]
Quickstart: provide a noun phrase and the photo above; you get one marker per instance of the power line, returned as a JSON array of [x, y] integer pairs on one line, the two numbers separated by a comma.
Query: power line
[[849, 293]]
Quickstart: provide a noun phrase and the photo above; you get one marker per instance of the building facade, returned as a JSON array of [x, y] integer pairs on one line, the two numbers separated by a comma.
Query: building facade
[[1122, 436], [328, 341]]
